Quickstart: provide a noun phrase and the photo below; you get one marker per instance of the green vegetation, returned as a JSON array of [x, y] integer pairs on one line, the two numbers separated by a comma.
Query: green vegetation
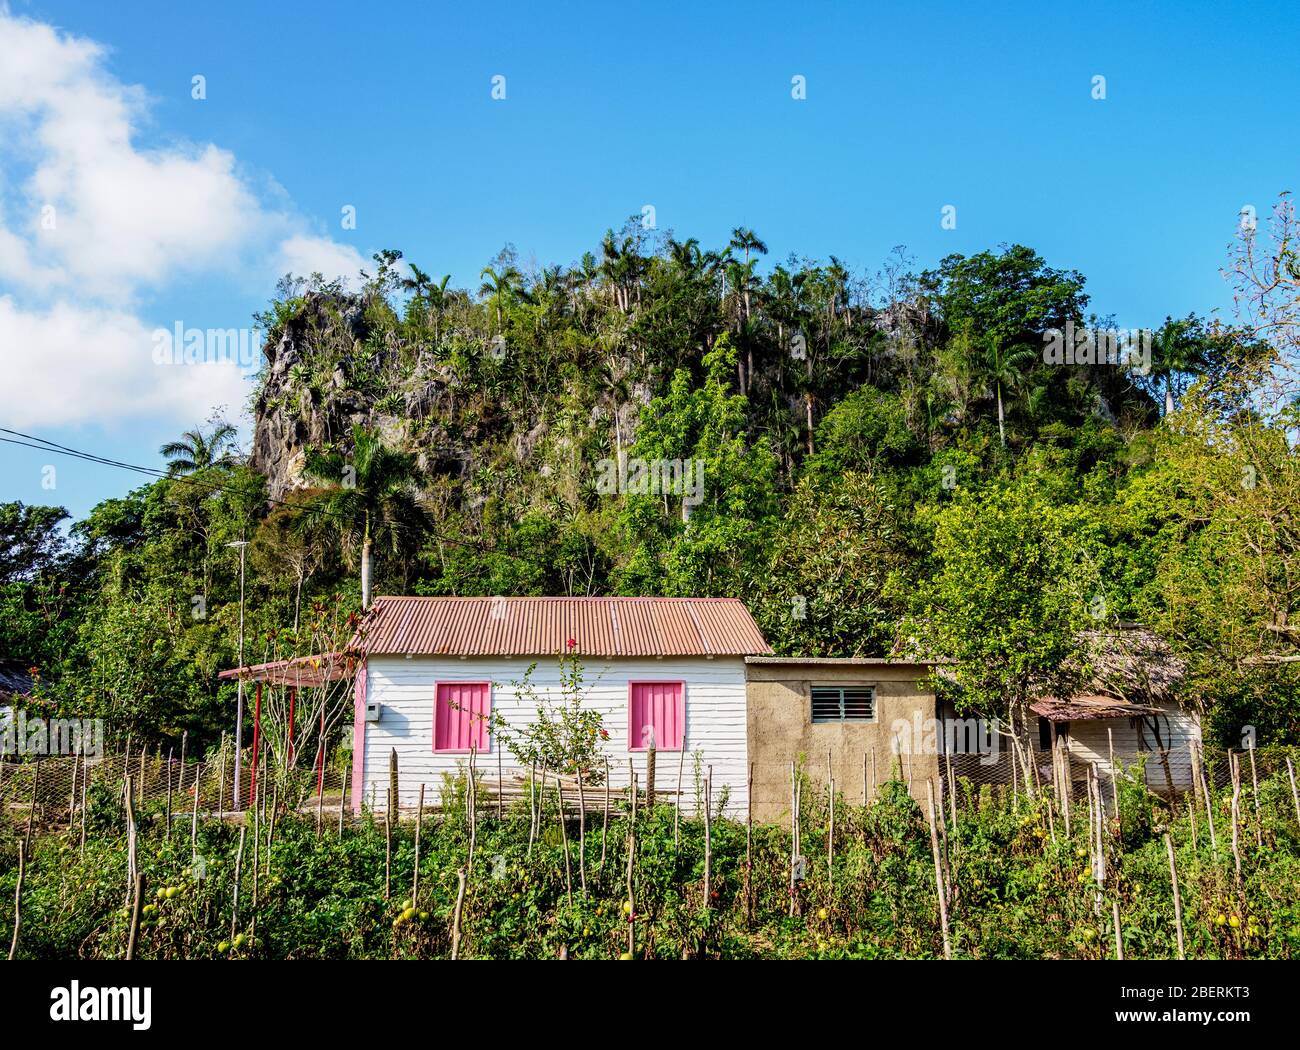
[[1018, 887], [888, 463]]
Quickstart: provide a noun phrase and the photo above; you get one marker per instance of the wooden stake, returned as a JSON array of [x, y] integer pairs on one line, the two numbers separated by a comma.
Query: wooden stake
[[221, 788], [419, 824], [708, 837], [794, 831], [749, 846], [84, 779], [472, 806], [72, 798], [1209, 806], [1114, 783], [133, 935], [938, 869], [194, 817], [1295, 795], [343, 800], [1119, 934], [604, 822], [532, 805], [564, 840], [501, 784], [1235, 771], [455, 921], [18, 905], [234, 900], [167, 827], [650, 776], [388, 845], [582, 836], [132, 870], [1178, 901], [952, 791], [677, 816], [320, 784], [631, 861], [1254, 794], [830, 839], [31, 809]]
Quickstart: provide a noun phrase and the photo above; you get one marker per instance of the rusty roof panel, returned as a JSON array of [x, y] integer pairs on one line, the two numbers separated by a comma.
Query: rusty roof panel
[[543, 627]]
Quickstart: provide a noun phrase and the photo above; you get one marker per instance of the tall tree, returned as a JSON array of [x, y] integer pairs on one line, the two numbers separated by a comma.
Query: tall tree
[[197, 451], [371, 500]]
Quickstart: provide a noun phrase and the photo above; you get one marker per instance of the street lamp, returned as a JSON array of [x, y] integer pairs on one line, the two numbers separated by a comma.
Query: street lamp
[[239, 703]]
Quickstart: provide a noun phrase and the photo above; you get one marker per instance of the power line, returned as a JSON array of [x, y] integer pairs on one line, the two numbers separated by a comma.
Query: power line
[[46, 445]]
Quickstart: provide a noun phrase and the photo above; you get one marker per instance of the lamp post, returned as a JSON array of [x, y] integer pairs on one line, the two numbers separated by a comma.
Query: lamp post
[[239, 703]]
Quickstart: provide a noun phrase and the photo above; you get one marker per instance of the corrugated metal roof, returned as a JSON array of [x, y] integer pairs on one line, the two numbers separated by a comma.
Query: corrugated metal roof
[[543, 627]]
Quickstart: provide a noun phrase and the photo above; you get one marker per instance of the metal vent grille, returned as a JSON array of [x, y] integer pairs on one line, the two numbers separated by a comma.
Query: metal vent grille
[[850, 703]]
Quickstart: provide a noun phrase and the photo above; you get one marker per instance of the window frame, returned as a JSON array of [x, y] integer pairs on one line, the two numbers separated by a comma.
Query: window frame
[[841, 687], [681, 685], [437, 686]]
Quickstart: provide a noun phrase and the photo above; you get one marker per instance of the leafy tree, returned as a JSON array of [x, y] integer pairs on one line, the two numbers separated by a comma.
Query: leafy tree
[[197, 450], [371, 500]]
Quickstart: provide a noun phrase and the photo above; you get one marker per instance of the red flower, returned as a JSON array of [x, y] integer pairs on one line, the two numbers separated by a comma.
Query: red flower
[[570, 643], [604, 734]]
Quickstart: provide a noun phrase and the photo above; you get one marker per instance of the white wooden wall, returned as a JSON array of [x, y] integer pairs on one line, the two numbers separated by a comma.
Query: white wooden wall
[[715, 720], [1089, 742]]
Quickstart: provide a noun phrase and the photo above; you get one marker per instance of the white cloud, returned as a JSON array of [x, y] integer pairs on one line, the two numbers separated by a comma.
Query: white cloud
[[93, 224], [87, 365], [304, 255]]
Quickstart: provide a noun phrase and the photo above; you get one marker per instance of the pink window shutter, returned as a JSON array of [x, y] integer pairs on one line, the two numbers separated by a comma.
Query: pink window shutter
[[658, 708], [460, 718]]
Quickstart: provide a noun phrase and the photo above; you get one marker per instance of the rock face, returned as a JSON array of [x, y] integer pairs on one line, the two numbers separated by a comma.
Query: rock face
[[291, 413]]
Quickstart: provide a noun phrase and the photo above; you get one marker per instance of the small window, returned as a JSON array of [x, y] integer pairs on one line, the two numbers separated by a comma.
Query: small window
[[656, 715], [848, 703], [460, 716]]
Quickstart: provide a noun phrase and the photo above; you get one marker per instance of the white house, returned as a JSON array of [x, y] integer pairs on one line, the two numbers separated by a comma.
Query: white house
[[433, 667]]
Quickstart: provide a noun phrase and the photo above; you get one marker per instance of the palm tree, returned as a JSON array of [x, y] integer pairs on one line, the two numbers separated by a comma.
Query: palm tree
[[1009, 369], [499, 286], [197, 451], [1176, 350], [371, 499], [747, 241]]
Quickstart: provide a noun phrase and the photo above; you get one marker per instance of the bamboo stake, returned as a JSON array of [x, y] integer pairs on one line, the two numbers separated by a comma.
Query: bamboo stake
[[677, 816], [472, 806], [194, 817], [708, 837], [631, 861], [830, 840], [749, 845], [18, 905], [131, 869], [167, 827], [1119, 936], [1178, 901], [320, 784], [650, 775], [84, 779], [133, 936], [455, 922], [72, 798], [31, 810], [234, 900], [388, 845], [604, 821], [343, 800], [582, 836], [419, 824], [1254, 794], [532, 805], [564, 839], [221, 787], [938, 869], [794, 831], [1295, 795], [501, 811], [1114, 783], [1235, 770]]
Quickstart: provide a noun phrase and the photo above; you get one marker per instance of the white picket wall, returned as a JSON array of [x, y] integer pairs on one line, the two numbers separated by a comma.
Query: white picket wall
[[405, 689]]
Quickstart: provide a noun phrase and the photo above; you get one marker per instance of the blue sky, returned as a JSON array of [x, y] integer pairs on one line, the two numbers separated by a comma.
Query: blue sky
[[187, 210]]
